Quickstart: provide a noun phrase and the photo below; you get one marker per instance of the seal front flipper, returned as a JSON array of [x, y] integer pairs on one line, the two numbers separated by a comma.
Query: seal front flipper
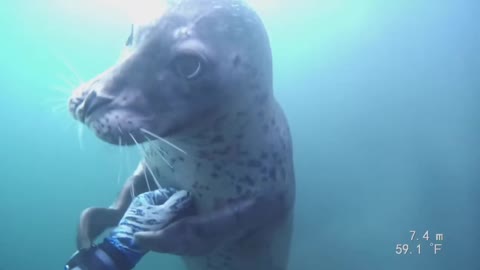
[[95, 220], [201, 234]]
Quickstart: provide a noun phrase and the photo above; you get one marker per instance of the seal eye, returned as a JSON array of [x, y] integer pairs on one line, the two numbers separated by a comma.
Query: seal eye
[[188, 66]]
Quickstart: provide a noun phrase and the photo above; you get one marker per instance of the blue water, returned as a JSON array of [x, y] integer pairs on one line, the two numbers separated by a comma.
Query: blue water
[[383, 99]]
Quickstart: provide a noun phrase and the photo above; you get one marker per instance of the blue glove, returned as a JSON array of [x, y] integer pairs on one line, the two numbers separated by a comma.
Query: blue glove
[[149, 211]]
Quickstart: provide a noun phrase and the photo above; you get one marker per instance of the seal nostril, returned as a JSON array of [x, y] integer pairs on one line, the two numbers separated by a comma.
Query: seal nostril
[[93, 102]]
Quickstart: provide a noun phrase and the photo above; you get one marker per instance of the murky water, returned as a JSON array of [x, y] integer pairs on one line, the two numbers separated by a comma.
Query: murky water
[[383, 99]]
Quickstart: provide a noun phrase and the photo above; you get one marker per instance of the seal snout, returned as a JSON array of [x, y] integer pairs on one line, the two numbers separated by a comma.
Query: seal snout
[[89, 105]]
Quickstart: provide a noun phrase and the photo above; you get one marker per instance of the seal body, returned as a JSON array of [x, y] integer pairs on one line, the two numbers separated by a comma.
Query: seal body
[[244, 154], [194, 92]]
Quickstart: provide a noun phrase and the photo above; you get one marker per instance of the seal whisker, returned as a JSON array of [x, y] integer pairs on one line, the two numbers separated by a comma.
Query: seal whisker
[[68, 126], [132, 191], [80, 136], [69, 67], [120, 131], [127, 161], [142, 151], [123, 155], [59, 104], [61, 90], [68, 82], [56, 99], [158, 150], [59, 108], [132, 186], [146, 180], [75, 73], [120, 160], [56, 104], [153, 175], [163, 140], [144, 172], [161, 153], [59, 100]]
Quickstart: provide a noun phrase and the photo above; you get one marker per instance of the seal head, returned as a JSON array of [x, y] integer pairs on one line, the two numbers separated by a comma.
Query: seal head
[[194, 62]]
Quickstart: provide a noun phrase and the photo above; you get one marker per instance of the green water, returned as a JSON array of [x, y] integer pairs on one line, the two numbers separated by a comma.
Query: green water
[[383, 99]]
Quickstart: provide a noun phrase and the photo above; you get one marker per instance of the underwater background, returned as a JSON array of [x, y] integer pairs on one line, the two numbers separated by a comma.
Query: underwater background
[[383, 100]]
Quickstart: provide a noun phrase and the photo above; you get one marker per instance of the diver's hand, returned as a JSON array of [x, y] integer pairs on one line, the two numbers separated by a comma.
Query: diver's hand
[[95, 220], [152, 211], [149, 211]]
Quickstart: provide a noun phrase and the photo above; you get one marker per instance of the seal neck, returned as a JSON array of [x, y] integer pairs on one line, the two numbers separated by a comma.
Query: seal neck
[[239, 126]]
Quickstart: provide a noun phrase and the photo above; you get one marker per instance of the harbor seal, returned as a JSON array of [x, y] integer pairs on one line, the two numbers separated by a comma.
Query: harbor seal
[[194, 92]]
